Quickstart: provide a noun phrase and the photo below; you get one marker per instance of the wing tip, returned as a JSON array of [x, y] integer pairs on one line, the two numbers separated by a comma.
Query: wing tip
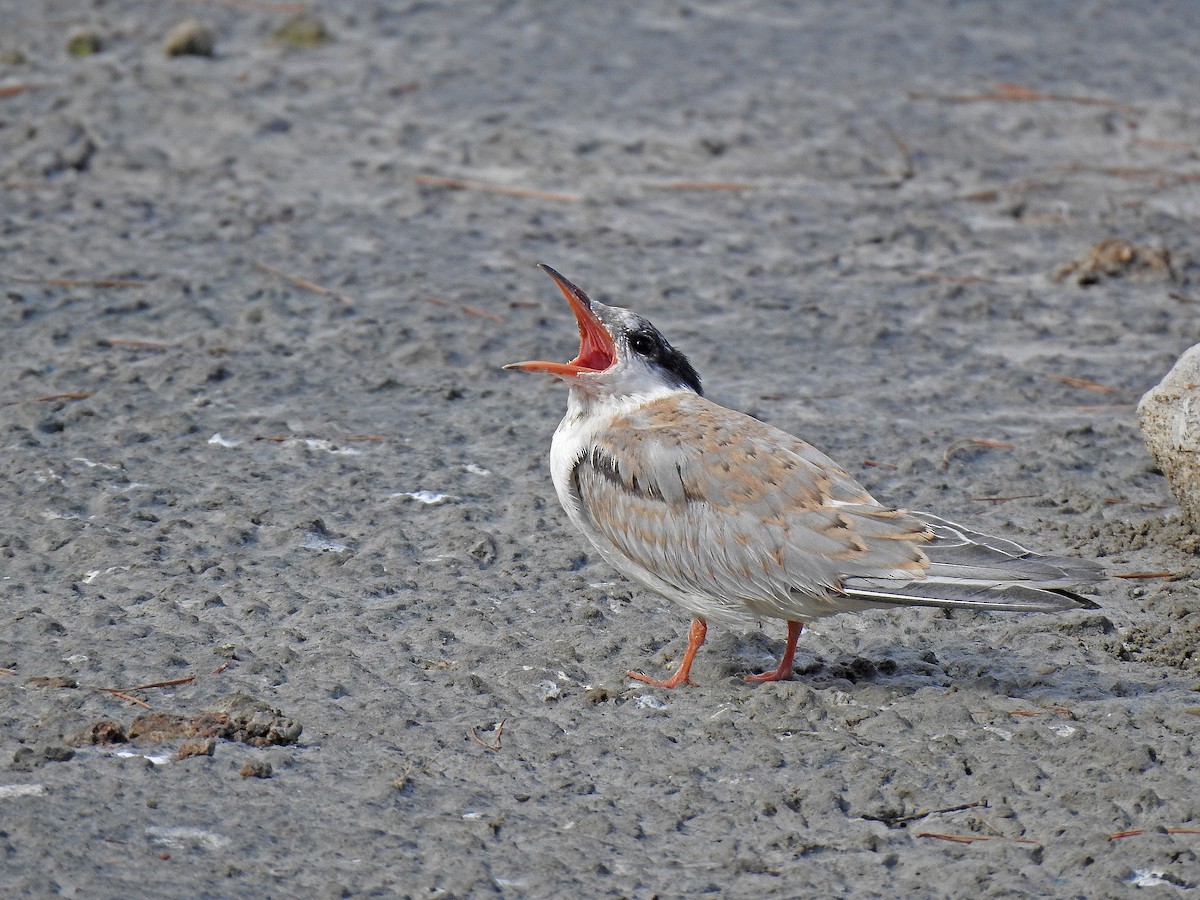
[[1004, 598], [1078, 601]]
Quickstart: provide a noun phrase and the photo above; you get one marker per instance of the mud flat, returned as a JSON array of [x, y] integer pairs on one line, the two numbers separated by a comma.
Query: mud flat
[[259, 461]]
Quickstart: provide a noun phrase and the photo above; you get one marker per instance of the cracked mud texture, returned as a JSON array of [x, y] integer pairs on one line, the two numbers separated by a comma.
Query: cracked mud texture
[[341, 507]]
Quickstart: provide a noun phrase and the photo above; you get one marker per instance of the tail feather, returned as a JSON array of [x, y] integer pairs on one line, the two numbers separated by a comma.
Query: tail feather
[[948, 594], [969, 570]]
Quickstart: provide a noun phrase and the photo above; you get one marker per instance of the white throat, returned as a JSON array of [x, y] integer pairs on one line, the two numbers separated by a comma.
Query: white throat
[[587, 415]]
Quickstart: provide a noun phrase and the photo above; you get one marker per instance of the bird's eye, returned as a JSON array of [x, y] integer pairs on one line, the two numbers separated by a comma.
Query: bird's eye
[[643, 344]]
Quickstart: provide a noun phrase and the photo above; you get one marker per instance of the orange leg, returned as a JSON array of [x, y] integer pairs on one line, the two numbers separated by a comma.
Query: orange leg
[[784, 672], [696, 637]]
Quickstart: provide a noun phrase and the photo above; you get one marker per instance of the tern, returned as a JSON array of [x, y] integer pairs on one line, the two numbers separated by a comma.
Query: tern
[[737, 521]]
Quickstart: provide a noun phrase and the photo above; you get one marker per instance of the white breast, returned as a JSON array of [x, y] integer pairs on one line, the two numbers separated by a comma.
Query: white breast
[[572, 439], [575, 437]]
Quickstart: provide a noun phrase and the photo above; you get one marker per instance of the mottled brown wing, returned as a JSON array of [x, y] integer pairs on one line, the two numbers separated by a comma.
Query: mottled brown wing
[[717, 503]]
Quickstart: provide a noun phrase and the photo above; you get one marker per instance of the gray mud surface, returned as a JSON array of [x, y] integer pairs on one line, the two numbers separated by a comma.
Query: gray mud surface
[[212, 471]]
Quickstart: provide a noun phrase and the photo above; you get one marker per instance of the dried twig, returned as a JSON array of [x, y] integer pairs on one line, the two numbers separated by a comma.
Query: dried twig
[[876, 464], [702, 186], [82, 282], [1134, 832], [402, 780], [1083, 383], [124, 696], [956, 838], [80, 395], [134, 344], [495, 744], [960, 279], [1164, 177], [1006, 92], [907, 169], [1003, 499], [340, 439], [468, 309], [11, 90], [160, 684], [1058, 710], [973, 442], [1163, 142], [127, 693], [49, 398], [1169, 576], [260, 5], [989, 195], [972, 838], [4, 671], [305, 284], [464, 184]]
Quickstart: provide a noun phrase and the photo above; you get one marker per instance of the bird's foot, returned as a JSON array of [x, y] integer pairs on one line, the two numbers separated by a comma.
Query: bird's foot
[[784, 671], [695, 638], [779, 674], [674, 681]]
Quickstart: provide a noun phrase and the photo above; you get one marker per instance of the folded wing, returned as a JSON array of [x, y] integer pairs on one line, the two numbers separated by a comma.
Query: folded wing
[[979, 571], [720, 505]]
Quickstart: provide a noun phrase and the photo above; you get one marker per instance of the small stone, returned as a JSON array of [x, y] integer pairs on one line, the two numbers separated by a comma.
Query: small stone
[[25, 759], [156, 728], [204, 747], [84, 43], [99, 734], [484, 551], [256, 723], [1169, 416], [1116, 258], [302, 31], [255, 768], [190, 38], [598, 694], [52, 681]]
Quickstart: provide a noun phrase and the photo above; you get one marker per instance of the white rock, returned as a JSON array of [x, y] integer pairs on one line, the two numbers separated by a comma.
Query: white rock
[[1169, 416]]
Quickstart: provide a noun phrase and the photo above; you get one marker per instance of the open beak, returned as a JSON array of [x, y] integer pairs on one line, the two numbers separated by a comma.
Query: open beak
[[596, 348]]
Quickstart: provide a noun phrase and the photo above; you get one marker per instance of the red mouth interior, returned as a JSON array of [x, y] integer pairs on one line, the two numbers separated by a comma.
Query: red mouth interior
[[596, 350]]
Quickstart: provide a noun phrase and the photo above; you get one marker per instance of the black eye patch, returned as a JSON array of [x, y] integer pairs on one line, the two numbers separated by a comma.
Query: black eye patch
[[651, 346], [644, 344]]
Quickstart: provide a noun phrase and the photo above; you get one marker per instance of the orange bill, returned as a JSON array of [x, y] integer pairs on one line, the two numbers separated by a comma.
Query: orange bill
[[597, 351]]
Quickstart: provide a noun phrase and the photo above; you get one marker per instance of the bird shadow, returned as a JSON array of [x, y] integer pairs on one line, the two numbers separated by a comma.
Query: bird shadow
[[898, 669]]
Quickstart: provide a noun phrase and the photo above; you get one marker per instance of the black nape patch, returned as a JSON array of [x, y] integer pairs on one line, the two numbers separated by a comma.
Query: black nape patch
[[648, 343], [681, 367]]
